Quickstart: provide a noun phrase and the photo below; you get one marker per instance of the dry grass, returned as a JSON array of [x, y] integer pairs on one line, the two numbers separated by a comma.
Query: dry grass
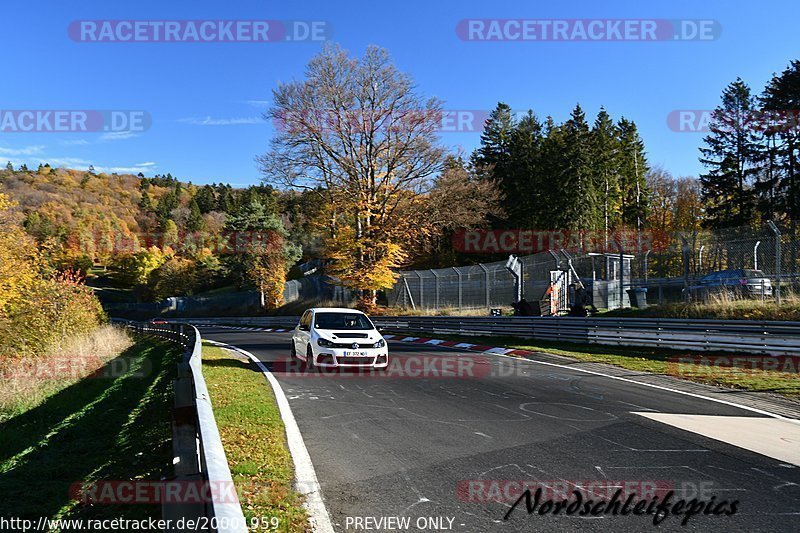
[[722, 307], [27, 381]]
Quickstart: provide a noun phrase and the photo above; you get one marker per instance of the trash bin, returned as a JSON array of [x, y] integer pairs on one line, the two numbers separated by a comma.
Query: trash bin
[[638, 297]]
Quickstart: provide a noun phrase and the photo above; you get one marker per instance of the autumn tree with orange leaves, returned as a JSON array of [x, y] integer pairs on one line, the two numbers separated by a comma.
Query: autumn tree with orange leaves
[[357, 132]]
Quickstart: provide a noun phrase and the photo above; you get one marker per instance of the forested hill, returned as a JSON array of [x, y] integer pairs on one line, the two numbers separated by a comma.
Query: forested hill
[[76, 208]]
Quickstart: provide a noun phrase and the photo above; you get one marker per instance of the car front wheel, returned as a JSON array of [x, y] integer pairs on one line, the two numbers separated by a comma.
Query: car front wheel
[[310, 360]]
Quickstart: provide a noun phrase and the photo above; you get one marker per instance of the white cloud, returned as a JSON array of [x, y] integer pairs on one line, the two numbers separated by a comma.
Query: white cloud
[[258, 103], [132, 169], [83, 164], [208, 121], [28, 150], [75, 142], [66, 162], [118, 135]]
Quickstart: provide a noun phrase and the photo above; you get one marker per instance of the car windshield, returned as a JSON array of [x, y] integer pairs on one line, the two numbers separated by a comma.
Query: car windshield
[[753, 274], [342, 321]]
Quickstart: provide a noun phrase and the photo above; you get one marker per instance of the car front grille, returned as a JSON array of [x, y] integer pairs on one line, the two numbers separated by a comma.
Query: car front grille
[[349, 345], [355, 360]]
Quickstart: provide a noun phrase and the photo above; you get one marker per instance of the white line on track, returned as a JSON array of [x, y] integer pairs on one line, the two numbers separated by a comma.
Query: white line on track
[[305, 475], [653, 386], [494, 351]]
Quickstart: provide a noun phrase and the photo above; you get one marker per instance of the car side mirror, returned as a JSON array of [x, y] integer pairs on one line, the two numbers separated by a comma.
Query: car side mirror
[[302, 328]]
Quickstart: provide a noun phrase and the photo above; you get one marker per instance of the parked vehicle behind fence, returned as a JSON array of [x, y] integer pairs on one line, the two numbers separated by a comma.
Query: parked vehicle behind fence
[[734, 283]]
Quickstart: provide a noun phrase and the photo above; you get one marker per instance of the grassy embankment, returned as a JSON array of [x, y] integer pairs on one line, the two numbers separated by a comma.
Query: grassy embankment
[[106, 420], [254, 438]]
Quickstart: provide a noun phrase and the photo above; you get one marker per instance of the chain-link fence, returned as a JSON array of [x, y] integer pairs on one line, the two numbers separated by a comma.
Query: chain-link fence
[[672, 271]]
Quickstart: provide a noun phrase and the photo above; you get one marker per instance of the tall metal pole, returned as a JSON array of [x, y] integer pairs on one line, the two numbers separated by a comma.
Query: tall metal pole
[[419, 276], [460, 292], [436, 278], [686, 252], [486, 277], [755, 255], [700, 260], [777, 234], [621, 273]]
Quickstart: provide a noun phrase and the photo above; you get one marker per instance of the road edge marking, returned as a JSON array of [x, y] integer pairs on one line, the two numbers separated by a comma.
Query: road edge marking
[[618, 378], [303, 466]]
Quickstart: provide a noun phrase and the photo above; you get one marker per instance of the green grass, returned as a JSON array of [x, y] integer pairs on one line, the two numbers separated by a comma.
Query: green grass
[[653, 360], [719, 309], [254, 438], [115, 428]]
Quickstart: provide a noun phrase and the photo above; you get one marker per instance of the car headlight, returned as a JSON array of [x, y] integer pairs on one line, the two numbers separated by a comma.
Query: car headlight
[[324, 342], [380, 344]]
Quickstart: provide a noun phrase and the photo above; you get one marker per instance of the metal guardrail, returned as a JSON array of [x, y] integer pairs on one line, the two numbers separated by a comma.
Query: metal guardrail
[[754, 337], [199, 456]]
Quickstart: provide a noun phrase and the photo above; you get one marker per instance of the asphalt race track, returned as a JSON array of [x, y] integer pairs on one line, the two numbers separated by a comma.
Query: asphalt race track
[[446, 439]]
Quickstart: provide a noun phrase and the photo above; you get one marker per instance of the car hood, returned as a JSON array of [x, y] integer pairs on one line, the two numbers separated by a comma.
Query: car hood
[[354, 336]]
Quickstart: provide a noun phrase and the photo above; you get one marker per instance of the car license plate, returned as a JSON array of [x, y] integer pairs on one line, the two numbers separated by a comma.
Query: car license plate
[[355, 354]]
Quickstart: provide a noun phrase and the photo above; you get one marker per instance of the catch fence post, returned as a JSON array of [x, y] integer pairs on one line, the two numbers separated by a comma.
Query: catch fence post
[[777, 234]]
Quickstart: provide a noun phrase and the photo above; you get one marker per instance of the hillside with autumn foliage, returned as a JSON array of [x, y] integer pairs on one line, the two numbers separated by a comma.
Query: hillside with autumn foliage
[[158, 236]]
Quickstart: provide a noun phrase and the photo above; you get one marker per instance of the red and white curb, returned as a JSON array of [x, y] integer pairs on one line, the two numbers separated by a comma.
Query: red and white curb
[[483, 348], [272, 330]]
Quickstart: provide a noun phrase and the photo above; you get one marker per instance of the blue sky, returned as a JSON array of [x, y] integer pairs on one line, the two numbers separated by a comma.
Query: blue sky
[[205, 99]]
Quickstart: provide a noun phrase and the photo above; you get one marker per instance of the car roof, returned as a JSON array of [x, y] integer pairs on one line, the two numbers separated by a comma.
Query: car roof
[[335, 310]]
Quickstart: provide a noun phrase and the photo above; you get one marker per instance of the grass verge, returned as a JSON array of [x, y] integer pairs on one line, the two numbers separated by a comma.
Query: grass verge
[[653, 360], [719, 308], [28, 381], [113, 425], [254, 438]]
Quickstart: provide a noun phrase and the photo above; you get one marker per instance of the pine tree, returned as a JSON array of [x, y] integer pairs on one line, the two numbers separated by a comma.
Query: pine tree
[[781, 102], [493, 158], [164, 207], [225, 200], [195, 220], [523, 184], [206, 199], [578, 196], [605, 147], [633, 169], [553, 170], [145, 203], [731, 154]]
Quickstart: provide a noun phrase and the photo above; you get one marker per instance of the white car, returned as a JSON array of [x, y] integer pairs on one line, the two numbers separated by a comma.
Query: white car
[[332, 337]]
